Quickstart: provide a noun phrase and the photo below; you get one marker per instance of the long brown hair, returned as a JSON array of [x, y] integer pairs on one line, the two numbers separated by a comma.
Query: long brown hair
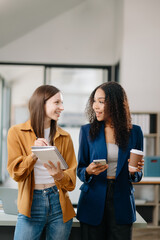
[[116, 108], [37, 110]]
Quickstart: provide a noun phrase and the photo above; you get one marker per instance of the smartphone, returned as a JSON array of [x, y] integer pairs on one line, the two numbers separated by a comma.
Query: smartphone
[[100, 161]]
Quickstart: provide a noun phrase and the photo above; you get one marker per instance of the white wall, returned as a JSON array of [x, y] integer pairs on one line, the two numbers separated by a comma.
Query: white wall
[[85, 34], [140, 63]]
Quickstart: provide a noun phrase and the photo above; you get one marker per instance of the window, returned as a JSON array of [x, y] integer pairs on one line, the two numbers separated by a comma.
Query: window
[[76, 85], [16, 86]]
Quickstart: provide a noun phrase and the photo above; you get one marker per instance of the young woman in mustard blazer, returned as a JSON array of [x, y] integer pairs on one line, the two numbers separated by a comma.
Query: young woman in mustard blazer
[[43, 199]]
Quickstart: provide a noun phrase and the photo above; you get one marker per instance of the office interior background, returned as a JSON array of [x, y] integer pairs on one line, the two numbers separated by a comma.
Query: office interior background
[[76, 45]]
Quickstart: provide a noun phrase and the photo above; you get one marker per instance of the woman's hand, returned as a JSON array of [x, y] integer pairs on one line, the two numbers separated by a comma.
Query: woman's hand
[[96, 169], [139, 168], [34, 156], [41, 142], [56, 173]]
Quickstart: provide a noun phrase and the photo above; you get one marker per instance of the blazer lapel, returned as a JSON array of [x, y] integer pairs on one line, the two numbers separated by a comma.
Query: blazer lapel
[[122, 158]]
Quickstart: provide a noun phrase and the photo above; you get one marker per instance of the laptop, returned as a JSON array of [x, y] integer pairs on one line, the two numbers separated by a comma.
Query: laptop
[[8, 196]]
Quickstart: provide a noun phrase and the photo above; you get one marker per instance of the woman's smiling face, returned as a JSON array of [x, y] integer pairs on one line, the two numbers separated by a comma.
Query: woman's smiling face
[[99, 104], [53, 108]]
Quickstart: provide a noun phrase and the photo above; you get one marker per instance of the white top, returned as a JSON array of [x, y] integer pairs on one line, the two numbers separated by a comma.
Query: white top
[[41, 174], [112, 158]]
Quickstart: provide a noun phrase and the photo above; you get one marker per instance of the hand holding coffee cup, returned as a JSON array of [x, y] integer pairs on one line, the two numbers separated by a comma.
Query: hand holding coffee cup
[[136, 161]]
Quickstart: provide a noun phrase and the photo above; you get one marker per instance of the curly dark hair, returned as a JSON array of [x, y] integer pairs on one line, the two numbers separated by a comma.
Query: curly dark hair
[[116, 109]]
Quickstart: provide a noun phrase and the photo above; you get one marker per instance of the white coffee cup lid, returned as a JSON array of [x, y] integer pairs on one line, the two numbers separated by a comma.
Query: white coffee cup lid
[[139, 152]]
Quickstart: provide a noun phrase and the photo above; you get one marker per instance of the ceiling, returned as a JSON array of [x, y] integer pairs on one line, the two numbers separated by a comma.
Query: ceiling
[[18, 17]]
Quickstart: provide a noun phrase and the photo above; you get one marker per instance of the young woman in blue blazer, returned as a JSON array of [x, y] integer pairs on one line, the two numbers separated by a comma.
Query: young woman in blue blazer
[[106, 207]]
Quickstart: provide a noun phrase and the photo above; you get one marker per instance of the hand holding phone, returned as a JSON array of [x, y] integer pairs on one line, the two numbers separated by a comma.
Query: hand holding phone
[[100, 161], [97, 166]]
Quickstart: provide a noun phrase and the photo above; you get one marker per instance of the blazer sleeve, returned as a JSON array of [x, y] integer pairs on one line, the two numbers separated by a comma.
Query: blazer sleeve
[[18, 166], [68, 182], [83, 156], [139, 145]]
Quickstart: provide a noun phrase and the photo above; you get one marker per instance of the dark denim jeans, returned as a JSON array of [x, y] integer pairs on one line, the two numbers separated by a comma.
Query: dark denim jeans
[[45, 212]]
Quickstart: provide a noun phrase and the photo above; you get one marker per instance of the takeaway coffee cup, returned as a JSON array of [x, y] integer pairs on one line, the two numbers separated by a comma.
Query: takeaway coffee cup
[[135, 157]]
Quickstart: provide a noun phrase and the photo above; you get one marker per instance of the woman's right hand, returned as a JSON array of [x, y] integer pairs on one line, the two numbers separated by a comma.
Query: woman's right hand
[[96, 169], [41, 142]]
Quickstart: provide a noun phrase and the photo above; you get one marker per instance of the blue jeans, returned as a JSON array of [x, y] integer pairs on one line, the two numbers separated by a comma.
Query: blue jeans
[[45, 212]]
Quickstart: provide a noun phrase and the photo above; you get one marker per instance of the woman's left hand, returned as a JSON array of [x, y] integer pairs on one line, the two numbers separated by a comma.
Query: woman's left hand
[[139, 168], [56, 173]]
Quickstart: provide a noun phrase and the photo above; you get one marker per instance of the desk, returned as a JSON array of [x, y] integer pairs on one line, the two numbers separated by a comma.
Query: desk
[[10, 220], [149, 180], [152, 199]]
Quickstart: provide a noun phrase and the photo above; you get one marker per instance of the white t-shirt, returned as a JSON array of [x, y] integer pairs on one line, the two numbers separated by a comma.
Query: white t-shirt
[[41, 174], [112, 159]]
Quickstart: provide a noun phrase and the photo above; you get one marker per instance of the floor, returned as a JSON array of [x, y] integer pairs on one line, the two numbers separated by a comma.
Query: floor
[[146, 234]]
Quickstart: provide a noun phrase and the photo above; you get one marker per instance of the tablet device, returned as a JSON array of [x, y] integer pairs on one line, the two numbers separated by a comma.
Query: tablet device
[[49, 153]]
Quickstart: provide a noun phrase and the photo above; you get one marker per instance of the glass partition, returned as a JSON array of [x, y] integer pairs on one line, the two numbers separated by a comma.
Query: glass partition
[[76, 85], [5, 127], [1, 114], [16, 87]]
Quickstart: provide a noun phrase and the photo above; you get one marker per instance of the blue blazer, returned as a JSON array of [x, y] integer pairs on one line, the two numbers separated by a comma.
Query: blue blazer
[[91, 203]]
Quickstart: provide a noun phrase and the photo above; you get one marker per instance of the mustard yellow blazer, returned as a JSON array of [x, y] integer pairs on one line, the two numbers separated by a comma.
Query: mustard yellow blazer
[[21, 167]]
